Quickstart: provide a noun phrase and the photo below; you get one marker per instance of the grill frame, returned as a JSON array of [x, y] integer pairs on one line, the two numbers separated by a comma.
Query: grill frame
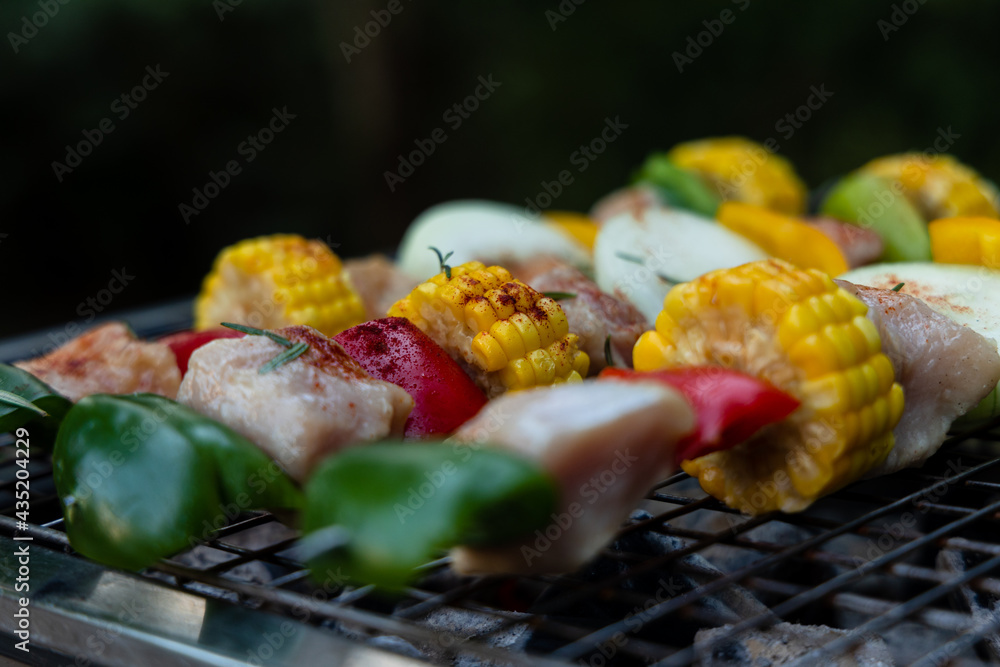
[[942, 497]]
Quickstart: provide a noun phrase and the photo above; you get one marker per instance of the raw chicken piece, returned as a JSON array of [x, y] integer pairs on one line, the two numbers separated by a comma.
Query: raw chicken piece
[[379, 283], [860, 246], [301, 411], [606, 443], [107, 359], [945, 369], [592, 314], [634, 199]]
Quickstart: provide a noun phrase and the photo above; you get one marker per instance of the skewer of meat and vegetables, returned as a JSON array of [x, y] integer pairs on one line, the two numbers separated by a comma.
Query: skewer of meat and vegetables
[[512, 377]]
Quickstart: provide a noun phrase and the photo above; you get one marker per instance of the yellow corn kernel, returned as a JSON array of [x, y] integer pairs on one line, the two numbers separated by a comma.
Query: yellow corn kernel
[[806, 336], [489, 353], [939, 186], [507, 334], [479, 314], [276, 281], [742, 170]]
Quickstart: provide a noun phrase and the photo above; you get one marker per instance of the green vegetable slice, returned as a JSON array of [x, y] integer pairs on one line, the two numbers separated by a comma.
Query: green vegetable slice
[[141, 477], [376, 513]]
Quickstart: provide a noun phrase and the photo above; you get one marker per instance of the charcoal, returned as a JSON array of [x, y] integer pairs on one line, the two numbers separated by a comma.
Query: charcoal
[[984, 607], [454, 626], [782, 644], [639, 593]]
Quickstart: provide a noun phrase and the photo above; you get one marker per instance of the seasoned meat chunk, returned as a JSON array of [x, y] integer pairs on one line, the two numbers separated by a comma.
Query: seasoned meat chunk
[[303, 410], [945, 369], [592, 314], [107, 359], [617, 444]]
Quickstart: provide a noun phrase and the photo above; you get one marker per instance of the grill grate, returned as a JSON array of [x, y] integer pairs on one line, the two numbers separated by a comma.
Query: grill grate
[[870, 559]]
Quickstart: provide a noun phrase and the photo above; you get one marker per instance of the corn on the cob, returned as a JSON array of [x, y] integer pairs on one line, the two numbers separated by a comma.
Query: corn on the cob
[[507, 335], [805, 335], [277, 281], [743, 170], [939, 186]]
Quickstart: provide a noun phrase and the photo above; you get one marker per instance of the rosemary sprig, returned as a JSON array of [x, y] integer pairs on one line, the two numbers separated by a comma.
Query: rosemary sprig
[[559, 296], [898, 287], [280, 340], [442, 260], [635, 259], [20, 402], [292, 351]]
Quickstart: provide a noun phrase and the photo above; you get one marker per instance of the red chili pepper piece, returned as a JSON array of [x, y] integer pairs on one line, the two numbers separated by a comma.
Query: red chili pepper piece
[[730, 406], [184, 343], [393, 349]]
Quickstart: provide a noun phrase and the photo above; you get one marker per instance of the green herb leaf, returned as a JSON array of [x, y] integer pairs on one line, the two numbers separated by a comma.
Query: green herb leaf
[[17, 401], [558, 296], [442, 260], [898, 287], [608, 359], [280, 340], [24, 398], [294, 352], [635, 259]]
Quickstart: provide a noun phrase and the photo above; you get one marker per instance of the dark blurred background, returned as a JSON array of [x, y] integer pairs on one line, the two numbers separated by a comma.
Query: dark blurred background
[[898, 73]]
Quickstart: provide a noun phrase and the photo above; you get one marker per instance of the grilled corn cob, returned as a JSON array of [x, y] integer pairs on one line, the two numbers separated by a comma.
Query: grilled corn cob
[[805, 335], [743, 170], [277, 281], [939, 186], [506, 335]]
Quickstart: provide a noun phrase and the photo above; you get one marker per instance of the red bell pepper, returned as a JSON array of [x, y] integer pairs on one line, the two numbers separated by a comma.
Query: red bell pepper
[[730, 406], [393, 349], [184, 343]]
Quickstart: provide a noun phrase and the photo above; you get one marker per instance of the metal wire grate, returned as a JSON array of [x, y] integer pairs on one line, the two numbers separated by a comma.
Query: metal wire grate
[[912, 558]]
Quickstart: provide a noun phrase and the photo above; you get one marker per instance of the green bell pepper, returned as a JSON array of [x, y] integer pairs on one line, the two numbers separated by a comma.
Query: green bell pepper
[[141, 477], [679, 187], [376, 513], [49, 406]]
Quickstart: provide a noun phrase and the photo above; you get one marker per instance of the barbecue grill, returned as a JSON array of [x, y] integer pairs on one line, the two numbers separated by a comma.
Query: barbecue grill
[[902, 568]]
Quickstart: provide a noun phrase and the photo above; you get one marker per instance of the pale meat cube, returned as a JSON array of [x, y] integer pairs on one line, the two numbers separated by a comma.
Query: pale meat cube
[[379, 283], [860, 246], [300, 412], [945, 369], [593, 315], [604, 443], [107, 359]]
